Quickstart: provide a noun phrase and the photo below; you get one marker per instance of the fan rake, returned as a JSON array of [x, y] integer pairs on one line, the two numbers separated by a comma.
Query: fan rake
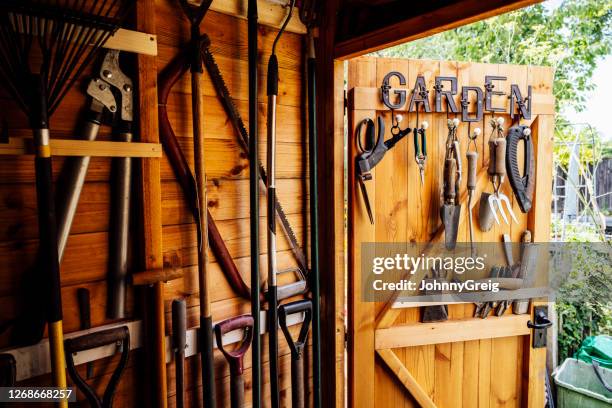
[[44, 48]]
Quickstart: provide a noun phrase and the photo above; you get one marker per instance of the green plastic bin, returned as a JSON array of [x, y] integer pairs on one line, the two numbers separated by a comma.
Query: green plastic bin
[[578, 385]]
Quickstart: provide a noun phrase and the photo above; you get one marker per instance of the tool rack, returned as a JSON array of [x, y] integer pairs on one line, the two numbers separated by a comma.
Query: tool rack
[[159, 283]]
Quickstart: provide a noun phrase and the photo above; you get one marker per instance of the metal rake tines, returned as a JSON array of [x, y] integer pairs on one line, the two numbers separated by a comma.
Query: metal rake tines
[[54, 40]]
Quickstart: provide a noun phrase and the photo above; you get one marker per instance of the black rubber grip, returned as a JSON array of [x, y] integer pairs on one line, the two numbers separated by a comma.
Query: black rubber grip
[[273, 75], [208, 361], [179, 324], [522, 186], [298, 399], [84, 308], [273, 346], [271, 209], [47, 229], [423, 142]]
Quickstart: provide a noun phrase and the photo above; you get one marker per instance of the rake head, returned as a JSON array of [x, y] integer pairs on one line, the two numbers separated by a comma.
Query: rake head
[[45, 45]]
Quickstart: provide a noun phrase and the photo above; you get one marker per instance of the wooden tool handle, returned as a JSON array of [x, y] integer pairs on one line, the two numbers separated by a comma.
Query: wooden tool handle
[[472, 159], [492, 148], [450, 167], [500, 157]]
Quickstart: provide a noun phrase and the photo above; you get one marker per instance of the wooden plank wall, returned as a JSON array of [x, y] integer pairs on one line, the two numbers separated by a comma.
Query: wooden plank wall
[[485, 372], [85, 260]]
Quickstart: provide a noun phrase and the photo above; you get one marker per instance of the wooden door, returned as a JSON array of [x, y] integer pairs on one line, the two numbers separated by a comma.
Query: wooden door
[[395, 361]]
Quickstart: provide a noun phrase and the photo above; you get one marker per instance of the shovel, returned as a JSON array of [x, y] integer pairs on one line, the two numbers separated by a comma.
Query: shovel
[[450, 211]]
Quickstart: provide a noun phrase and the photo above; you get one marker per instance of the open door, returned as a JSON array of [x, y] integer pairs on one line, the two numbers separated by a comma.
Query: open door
[[394, 360]]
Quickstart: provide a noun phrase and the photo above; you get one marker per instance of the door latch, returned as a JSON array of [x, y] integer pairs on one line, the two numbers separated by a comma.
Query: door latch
[[539, 326]]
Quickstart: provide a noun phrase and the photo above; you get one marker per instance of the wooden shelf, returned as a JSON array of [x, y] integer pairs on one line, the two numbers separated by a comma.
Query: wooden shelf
[[65, 147]]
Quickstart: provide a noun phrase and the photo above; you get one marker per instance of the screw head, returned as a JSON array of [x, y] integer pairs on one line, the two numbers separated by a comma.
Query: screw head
[[102, 87], [112, 108], [127, 88], [107, 74]]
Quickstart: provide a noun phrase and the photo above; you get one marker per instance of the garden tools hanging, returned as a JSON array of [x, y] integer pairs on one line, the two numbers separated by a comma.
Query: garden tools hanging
[[472, 163], [235, 357], [492, 204], [120, 337], [272, 315], [451, 209], [524, 185], [44, 49]]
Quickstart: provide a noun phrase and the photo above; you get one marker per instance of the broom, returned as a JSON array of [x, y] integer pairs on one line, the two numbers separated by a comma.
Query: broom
[[44, 47]]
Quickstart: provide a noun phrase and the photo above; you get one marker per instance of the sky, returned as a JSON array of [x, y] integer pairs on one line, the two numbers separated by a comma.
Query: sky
[[598, 106]]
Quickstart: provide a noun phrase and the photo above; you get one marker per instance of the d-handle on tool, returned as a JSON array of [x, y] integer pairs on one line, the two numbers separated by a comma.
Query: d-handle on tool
[[298, 396], [119, 336], [235, 357]]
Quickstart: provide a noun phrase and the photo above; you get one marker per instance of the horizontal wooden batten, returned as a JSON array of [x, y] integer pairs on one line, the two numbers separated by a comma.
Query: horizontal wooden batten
[[420, 334], [93, 148], [133, 41], [32, 361], [270, 13]]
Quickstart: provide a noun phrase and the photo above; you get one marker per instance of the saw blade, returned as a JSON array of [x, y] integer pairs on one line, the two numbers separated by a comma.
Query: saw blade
[[238, 124]]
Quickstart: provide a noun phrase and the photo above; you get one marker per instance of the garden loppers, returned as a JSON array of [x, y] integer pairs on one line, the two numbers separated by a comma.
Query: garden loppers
[[308, 16], [179, 342], [298, 395], [42, 54], [120, 336], [253, 141], [235, 357], [272, 90], [451, 209], [121, 84], [195, 14]]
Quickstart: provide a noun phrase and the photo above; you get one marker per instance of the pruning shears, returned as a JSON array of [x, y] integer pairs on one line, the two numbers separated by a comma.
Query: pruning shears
[[372, 150]]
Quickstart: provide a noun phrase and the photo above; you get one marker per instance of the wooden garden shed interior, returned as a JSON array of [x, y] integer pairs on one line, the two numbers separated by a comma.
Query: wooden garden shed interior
[[163, 232]]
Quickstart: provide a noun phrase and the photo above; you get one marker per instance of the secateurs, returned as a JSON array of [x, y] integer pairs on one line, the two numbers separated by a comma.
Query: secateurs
[[372, 150], [491, 204], [451, 209]]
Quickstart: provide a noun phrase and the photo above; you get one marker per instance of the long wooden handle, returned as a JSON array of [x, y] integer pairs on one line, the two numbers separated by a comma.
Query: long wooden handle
[[491, 168], [472, 159]]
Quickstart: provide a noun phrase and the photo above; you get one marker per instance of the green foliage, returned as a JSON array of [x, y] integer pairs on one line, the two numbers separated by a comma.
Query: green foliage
[[584, 303], [571, 38]]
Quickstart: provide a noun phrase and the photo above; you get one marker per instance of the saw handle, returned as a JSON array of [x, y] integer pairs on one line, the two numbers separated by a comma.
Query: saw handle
[[472, 161], [450, 167]]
